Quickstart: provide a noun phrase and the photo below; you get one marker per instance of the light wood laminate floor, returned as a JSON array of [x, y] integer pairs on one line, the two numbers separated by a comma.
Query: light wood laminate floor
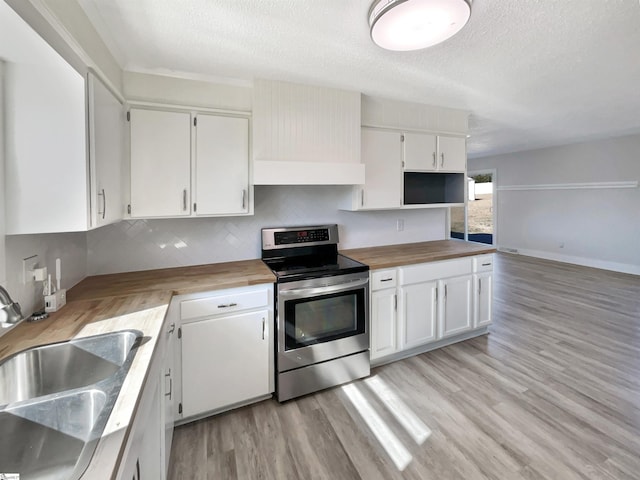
[[553, 392]]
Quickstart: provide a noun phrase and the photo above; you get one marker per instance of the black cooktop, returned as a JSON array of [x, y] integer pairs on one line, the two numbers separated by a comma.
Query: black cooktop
[[313, 266], [301, 253]]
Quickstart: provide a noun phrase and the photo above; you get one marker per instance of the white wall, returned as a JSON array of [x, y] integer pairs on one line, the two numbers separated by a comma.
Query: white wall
[[147, 244], [551, 218]]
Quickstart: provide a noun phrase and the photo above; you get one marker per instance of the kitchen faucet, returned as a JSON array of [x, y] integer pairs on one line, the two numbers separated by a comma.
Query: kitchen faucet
[[9, 310]]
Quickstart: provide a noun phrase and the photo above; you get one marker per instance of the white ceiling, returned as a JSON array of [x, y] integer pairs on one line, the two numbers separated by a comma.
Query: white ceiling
[[533, 73]]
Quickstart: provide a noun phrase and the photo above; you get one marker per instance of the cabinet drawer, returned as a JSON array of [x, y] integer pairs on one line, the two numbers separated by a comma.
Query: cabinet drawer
[[483, 263], [435, 270], [221, 304], [381, 279]]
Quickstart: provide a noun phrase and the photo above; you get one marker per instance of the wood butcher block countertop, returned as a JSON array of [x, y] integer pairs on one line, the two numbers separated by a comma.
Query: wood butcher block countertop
[[390, 256], [134, 300]]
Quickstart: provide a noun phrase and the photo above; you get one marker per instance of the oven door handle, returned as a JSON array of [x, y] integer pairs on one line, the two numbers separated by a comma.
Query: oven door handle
[[310, 292]]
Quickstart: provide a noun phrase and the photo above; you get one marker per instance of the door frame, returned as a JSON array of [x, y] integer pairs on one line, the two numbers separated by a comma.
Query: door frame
[[494, 207]]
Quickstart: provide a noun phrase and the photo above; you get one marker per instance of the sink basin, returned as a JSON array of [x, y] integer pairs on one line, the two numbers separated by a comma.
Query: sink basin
[[63, 366], [55, 401], [52, 438]]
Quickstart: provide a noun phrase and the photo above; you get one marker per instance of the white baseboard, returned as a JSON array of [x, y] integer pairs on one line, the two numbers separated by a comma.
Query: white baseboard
[[586, 262]]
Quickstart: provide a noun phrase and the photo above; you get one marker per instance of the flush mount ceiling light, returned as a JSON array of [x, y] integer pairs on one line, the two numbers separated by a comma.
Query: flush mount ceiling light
[[404, 25]]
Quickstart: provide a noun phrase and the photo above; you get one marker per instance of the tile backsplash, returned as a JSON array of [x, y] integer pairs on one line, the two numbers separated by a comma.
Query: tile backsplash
[[147, 244]]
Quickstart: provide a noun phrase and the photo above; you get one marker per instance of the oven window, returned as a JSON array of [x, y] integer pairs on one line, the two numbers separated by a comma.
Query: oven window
[[324, 318]]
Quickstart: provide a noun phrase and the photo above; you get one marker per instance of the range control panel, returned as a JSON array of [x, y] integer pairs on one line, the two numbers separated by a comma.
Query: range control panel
[[304, 236]]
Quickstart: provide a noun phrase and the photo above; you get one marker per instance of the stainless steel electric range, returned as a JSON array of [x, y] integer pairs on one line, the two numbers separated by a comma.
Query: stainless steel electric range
[[322, 310]]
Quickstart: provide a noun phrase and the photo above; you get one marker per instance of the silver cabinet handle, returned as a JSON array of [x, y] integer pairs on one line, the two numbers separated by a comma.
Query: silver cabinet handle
[[263, 327], [244, 196], [442, 157], [227, 305], [386, 279], [435, 161], [171, 328], [479, 286], [486, 264], [395, 301], [104, 203], [184, 200], [168, 394], [362, 197]]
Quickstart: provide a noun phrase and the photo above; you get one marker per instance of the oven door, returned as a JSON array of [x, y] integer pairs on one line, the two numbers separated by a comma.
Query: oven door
[[322, 319]]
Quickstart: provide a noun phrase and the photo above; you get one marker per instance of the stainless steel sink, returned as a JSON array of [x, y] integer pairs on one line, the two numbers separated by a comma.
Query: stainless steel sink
[[63, 366], [56, 400], [53, 437]]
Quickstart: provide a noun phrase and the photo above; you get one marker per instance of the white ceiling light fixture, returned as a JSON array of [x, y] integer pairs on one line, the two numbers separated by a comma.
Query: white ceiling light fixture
[[404, 25]]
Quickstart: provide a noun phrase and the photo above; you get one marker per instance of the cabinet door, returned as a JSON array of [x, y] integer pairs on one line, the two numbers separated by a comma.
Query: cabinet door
[[381, 154], [150, 462], [160, 163], [418, 314], [222, 165], [169, 381], [225, 360], [43, 149], [455, 305], [452, 154], [383, 323], [420, 152], [483, 287], [106, 152]]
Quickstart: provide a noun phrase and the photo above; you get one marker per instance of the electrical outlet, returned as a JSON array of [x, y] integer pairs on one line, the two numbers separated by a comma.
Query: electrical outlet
[[561, 245], [400, 224], [29, 264]]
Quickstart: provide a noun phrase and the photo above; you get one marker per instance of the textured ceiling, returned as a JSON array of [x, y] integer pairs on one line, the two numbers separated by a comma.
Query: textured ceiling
[[533, 73]]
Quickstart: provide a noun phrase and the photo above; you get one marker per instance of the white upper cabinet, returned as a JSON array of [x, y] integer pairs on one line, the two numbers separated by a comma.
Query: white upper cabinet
[[305, 135], [46, 174], [430, 153], [222, 165], [452, 154], [420, 151], [106, 153], [160, 163], [381, 153], [189, 164]]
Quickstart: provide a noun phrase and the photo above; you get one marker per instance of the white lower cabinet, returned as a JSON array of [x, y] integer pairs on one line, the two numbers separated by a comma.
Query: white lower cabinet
[[144, 457], [419, 314], [483, 288], [455, 314], [418, 305], [226, 349], [383, 322], [224, 361]]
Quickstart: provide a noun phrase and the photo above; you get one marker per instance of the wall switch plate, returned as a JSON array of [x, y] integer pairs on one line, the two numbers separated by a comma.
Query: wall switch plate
[[55, 301], [400, 224]]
